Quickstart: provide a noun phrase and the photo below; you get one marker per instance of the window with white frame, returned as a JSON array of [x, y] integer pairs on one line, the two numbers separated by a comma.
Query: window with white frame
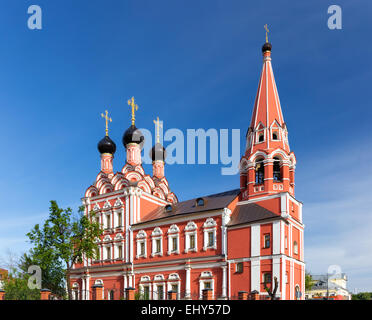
[[191, 237], [141, 244], [159, 287], [119, 219], [157, 242], [210, 228], [174, 284], [119, 251], [206, 281], [260, 133], [145, 288], [295, 247], [75, 291], [108, 252], [173, 239], [108, 220]]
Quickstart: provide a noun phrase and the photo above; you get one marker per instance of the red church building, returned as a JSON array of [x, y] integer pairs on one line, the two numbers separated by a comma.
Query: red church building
[[238, 240]]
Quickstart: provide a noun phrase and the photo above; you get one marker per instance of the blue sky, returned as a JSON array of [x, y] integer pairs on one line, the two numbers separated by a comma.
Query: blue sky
[[194, 64]]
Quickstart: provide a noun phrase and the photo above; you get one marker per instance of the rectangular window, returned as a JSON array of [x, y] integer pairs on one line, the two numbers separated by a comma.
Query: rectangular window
[[175, 287], [108, 253], [174, 244], [160, 292], [210, 239], [120, 252], [267, 278], [119, 219], [207, 285], [108, 222], [192, 241], [142, 248], [286, 242], [146, 292], [157, 247], [267, 241], [239, 267]]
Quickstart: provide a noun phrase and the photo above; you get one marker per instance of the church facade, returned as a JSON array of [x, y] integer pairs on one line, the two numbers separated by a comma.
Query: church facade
[[249, 239]]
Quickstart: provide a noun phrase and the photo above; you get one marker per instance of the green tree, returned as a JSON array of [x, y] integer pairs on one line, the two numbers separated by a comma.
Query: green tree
[[64, 240], [16, 287], [308, 281], [362, 296], [53, 275]]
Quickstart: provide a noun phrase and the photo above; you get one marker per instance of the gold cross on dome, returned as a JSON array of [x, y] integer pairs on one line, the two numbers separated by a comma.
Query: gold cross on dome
[[134, 107], [158, 125], [267, 31], [108, 119]]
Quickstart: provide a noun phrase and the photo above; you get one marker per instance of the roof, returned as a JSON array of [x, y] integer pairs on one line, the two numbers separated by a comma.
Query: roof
[[211, 202], [251, 212]]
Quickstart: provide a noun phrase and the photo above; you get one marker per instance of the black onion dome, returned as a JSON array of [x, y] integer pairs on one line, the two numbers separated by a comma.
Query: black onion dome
[[158, 152], [133, 135], [106, 145], [266, 47]]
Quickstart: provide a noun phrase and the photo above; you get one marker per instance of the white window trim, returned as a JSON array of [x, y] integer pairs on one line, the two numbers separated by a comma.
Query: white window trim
[[174, 282], [117, 223], [210, 225], [258, 132], [173, 233], [141, 238], [206, 276], [191, 229], [157, 234], [155, 290], [105, 225], [145, 282]]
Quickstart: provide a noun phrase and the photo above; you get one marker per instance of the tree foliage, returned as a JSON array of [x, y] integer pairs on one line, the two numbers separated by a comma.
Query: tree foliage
[[362, 296], [16, 287], [308, 281], [64, 241]]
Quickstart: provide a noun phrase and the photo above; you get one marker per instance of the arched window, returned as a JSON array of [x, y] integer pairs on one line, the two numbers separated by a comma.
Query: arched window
[[200, 202], [168, 208], [260, 171], [276, 170]]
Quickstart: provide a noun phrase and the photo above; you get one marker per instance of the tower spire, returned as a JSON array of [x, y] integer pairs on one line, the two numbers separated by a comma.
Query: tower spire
[[268, 165]]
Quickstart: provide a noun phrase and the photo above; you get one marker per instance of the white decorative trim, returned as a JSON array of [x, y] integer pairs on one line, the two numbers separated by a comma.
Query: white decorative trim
[[210, 226], [173, 233]]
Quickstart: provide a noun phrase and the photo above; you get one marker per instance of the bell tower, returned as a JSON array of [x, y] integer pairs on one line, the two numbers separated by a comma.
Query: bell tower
[[268, 165]]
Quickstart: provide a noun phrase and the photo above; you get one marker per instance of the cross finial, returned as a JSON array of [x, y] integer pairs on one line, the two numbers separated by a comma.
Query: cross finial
[[134, 107], [267, 31], [158, 125], [107, 118]]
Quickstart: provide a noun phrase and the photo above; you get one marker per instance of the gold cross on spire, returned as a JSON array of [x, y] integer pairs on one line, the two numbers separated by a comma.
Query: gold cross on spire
[[158, 125], [267, 31], [134, 107], [108, 119]]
